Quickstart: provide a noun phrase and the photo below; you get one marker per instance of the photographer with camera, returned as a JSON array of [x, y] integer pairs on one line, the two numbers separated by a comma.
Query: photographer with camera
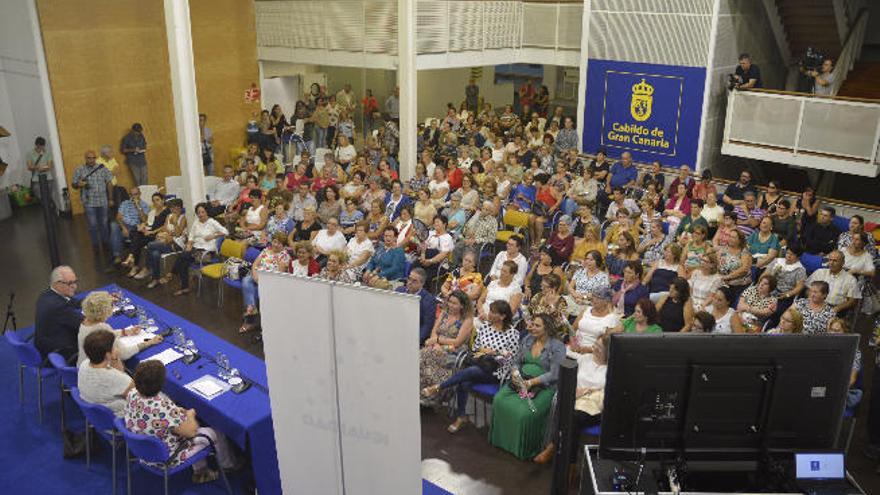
[[747, 75], [823, 78]]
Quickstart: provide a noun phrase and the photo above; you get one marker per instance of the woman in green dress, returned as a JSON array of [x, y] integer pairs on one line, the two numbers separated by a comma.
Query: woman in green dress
[[520, 410], [643, 319]]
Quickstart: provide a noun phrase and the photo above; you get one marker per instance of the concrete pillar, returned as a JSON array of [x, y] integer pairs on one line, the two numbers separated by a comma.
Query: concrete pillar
[[582, 80], [407, 81], [186, 107]]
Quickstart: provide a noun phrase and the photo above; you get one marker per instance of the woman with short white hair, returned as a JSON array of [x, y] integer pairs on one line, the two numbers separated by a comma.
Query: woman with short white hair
[[97, 307]]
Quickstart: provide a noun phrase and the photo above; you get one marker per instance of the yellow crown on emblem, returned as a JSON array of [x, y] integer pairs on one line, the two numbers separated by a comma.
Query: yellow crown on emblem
[[643, 88]]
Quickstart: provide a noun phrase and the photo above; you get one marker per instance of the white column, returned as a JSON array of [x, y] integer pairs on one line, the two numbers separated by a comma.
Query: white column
[[48, 103], [407, 81], [582, 80], [186, 108]]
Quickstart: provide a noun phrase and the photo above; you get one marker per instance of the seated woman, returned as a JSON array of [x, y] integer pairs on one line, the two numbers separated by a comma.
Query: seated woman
[[757, 303], [735, 264], [589, 395], [148, 411], [704, 281], [791, 322], [547, 201], [663, 271], [678, 206], [376, 220], [629, 289], [815, 309], [725, 229], [101, 377], [522, 197], [97, 307], [561, 241], [330, 206], [201, 244], [586, 280], [763, 243], [436, 249], [595, 321], [329, 239], [504, 289], [488, 362], [275, 259], [350, 216], [674, 309], [172, 237], [695, 248], [335, 268], [252, 223], [387, 263], [307, 229], [360, 249], [790, 276], [549, 301], [423, 209], [703, 322], [304, 263], [624, 224], [856, 228], [726, 319], [451, 333], [619, 256], [279, 221], [539, 270], [520, 411], [145, 234], [651, 248], [642, 320], [465, 278]]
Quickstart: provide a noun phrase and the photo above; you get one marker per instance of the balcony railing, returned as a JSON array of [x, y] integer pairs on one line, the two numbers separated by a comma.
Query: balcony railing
[[836, 134]]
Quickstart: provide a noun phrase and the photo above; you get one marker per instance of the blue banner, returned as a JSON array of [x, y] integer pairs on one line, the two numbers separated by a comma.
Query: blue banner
[[652, 111]]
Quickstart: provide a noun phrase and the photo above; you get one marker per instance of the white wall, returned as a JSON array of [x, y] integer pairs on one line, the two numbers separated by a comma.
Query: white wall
[[283, 90], [23, 101]]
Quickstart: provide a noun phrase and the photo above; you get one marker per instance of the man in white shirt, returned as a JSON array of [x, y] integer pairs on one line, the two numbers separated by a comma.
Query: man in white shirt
[[621, 201], [224, 194], [843, 290], [514, 245]]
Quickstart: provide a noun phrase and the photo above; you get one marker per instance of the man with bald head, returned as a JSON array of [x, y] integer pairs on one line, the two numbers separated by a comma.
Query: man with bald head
[[95, 185], [131, 213], [58, 315]]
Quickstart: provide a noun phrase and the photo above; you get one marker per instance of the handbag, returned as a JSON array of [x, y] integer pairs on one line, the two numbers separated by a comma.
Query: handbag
[[488, 364], [232, 268]]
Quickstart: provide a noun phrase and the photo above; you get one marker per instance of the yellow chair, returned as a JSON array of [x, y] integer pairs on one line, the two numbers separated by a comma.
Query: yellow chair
[[216, 271], [515, 221]]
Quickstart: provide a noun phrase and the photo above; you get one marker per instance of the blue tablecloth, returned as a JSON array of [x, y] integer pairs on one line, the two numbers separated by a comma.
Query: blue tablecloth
[[245, 418]]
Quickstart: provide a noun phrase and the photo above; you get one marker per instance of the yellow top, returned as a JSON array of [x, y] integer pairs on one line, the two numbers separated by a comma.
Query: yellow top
[[110, 164]]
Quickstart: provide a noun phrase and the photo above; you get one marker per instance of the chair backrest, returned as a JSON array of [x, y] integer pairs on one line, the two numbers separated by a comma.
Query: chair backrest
[[68, 373], [516, 219], [147, 191], [231, 249], [27, 353], [174, 185], [144, 447], [811, 262], [211, 182], [842, 223], [101, 417], [251, 253]]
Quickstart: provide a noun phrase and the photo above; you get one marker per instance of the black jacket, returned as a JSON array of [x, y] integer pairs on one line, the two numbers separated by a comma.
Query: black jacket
[[56, 324]]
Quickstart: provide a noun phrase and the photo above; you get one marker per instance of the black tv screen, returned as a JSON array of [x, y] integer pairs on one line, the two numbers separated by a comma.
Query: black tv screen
[[723, 396]]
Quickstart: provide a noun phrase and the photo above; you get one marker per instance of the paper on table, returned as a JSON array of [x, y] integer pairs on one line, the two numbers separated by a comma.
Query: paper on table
[[133, 340], [207, 387], [167, 356]]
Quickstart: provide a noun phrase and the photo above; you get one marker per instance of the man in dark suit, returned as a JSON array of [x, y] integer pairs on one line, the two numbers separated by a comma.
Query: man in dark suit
[[415, 284], [58, 316]]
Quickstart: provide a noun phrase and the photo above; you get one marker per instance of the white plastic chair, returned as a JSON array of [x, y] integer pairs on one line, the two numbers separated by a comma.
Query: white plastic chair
[[211, 182], [147, 191], [174, 186]]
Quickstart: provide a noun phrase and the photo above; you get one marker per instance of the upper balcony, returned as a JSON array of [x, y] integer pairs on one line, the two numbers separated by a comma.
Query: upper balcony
[[450, 33]]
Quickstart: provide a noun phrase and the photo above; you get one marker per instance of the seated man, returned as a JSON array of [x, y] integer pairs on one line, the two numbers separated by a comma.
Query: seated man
[[224, 193], [821, 236], [415, 284], [58, 316], [843, 289], [621, 201], [748, 215], [101, 378], [132, 212]]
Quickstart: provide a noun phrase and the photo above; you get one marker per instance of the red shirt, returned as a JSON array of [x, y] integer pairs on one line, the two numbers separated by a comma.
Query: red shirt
[[294, 182], [454, 179], [370, 105]]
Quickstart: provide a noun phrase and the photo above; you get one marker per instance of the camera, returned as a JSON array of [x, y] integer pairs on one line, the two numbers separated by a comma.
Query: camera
[[732, 81], [812, 60]]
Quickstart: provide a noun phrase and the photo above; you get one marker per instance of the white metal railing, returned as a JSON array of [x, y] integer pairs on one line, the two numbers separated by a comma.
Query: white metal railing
[[851, 51], [441, 27], [814, 132]]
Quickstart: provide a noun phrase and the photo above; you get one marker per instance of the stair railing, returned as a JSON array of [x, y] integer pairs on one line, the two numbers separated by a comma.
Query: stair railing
[[852, 49]]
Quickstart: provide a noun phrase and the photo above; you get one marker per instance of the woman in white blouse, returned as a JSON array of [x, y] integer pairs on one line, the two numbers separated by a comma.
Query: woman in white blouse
[[329, 239], [593, 322], [436, 248], [202, 243], [504, 288], [97, 307], [360, 249]]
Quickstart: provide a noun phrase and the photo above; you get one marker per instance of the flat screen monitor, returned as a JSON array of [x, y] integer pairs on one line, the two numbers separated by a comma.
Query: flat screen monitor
[[724, 396]]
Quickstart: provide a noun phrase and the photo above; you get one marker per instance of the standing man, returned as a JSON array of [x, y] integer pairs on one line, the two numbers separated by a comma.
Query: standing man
[[747, 74], [57, 316], [95, 185], [39, 162], [823, 79], [207, 138], [472, 96], [392, 105], [134, 147]]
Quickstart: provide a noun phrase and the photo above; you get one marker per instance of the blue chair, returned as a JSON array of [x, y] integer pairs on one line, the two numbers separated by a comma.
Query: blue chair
[[151, 449], [29, 358], [484, 392], [593, 431], [67, 377], [842, 223], [99, 418], [811, 262]]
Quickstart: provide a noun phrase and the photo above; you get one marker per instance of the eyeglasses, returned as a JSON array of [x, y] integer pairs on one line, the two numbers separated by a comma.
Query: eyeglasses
[[69, 282]]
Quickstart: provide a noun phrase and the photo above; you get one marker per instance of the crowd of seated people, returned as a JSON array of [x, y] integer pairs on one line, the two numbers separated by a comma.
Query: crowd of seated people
[[598, 248]]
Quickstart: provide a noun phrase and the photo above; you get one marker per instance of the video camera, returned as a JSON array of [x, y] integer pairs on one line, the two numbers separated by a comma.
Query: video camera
[[812, 60]]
